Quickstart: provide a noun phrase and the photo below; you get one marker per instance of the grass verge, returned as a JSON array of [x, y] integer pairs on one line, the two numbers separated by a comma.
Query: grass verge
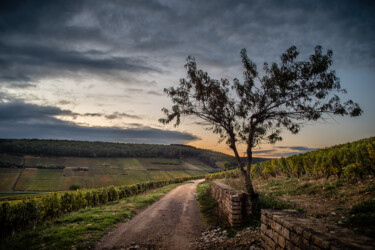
[[363, 218], [269, 201], [206, 203], [81, 229]]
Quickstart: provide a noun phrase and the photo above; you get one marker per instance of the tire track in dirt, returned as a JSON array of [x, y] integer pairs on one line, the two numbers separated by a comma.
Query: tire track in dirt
[[173, 222]]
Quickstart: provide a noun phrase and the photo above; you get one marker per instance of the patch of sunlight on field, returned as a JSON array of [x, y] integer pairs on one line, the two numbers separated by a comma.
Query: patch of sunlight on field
[[125, 163], [162, 175], [198, 164], [7, 177], [27, 176]]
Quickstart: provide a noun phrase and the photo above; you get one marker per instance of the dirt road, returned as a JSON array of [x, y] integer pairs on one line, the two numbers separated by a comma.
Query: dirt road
[[173, 222]]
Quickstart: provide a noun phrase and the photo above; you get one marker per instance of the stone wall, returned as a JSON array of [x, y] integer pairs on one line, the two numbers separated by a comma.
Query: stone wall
[[233, 207], [289, 229]]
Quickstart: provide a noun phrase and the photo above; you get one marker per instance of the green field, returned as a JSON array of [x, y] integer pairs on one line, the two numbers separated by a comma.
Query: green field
[[92, 172], [7, 177]]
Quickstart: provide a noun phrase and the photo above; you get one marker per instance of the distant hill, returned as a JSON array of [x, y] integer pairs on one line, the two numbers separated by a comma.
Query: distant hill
[[106, 149], [53, 165], [51, 173]]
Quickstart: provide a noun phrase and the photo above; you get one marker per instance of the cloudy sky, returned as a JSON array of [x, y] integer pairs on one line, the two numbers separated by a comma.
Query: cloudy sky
[[96, 70]]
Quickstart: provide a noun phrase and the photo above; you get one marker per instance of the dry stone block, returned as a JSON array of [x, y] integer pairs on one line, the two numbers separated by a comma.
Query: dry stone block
[[281, 241], [264, 219], [233, 207], [296, 239], [320, 241], [285, 232], [269, 242], [263, 227], [290, 229]]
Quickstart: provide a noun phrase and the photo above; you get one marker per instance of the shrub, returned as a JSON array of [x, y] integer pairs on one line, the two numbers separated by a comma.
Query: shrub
[[74, 187]]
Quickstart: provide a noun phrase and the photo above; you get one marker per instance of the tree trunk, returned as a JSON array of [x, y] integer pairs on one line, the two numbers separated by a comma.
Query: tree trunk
[[248, 182], [246, 177], [249, 186], [254, 198]]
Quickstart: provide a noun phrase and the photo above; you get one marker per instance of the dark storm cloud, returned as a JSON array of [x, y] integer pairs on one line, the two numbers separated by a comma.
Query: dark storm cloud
[[44, 38], [128, 40], [92, 114], [41, 61], [117, 115], [24, 120], [114, 115], [264, 151], [17, 111], [38, 41], [71, 60], [215, 31]]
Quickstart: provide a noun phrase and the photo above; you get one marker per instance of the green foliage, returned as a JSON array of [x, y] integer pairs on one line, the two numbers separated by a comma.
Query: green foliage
[[99, 172], [269, 201], [83, 228], [351, 160], [74, 187], [206, 203], [105, 149], [256, 110], [237, 184], [364, 207], [18, 215], [363, 216]]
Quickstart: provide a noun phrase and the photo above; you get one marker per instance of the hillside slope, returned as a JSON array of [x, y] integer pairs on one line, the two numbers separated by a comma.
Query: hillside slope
[[61, 173], [52, 165], [351, 160]]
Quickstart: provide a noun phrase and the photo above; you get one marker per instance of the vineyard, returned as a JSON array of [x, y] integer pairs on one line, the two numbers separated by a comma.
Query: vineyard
[[19, 215], [65, 148], [350, 160], [38, 173]]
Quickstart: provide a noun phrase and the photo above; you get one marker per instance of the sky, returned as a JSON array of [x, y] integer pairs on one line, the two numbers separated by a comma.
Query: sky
[[95, 70]]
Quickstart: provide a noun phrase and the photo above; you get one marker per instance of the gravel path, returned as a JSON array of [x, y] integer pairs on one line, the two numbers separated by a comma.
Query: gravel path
[[173, 222]]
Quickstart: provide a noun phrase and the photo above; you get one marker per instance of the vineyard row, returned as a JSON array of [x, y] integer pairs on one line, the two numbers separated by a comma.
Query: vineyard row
[[30, 212]]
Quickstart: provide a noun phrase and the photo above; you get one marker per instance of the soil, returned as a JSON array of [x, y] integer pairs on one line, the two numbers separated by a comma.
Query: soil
[[173, 222]]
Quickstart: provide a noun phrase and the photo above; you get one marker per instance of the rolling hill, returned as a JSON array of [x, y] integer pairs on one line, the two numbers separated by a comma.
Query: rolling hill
[[53, 165]]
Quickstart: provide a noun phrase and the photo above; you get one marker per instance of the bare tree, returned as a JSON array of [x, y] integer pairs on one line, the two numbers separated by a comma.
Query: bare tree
[[256, 110]]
